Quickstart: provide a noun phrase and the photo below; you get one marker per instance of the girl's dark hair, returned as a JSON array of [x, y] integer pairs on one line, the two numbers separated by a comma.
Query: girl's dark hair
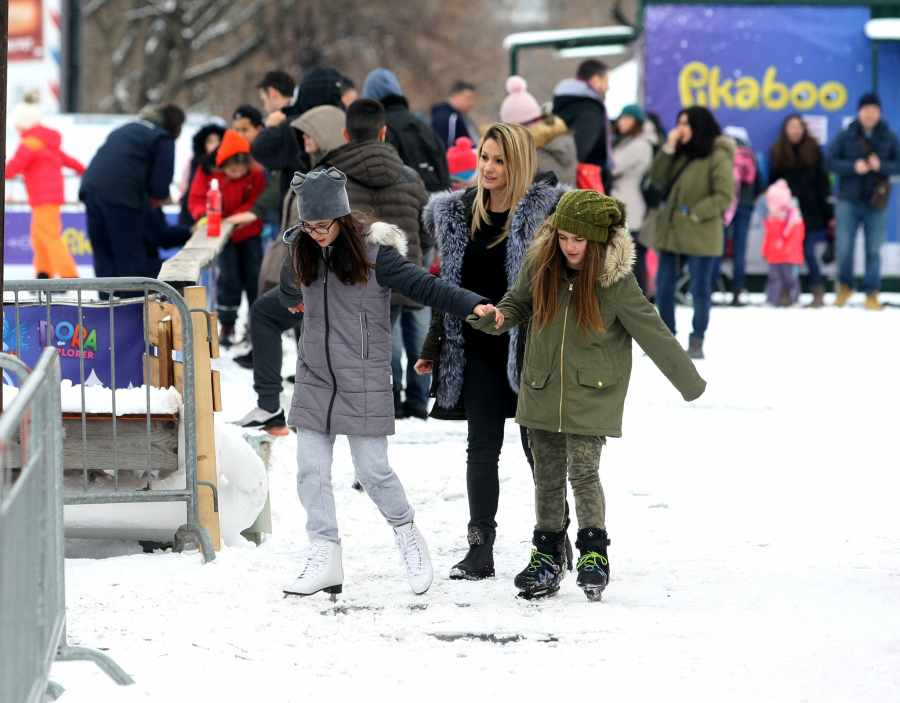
[[198, 141], [242, 158], [704, 130], [347, 260], [808, 153]]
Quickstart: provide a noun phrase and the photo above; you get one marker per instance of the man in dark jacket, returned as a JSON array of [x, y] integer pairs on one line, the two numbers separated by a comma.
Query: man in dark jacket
[[450, 119], [579, 103], [417, 144], [379, 185], [275, 147], [123, 188], [864, 156]]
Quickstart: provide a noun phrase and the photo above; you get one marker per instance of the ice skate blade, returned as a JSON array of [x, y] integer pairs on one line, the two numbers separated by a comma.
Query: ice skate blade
[[333, 590], [538, 595], [593, 594]]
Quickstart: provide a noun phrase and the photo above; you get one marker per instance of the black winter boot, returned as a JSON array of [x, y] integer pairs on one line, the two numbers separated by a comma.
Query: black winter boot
[[593, 566], [695, 347], [546, 568], [570, 556], [479, 562]]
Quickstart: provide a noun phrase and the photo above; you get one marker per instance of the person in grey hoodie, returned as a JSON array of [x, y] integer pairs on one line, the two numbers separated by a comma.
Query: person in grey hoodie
[[340, 274]]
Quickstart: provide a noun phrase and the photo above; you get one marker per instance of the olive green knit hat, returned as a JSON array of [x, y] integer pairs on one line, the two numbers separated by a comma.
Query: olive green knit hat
[[589, 214]]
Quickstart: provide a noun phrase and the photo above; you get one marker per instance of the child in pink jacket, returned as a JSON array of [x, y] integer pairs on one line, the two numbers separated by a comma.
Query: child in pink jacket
[[783, 246]]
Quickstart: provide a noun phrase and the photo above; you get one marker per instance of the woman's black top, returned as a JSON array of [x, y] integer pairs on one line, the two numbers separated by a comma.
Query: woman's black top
[[484, 272]]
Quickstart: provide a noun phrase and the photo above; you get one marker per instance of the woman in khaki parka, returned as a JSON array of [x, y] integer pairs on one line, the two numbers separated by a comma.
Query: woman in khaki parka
[[585, 306], [696, 166]]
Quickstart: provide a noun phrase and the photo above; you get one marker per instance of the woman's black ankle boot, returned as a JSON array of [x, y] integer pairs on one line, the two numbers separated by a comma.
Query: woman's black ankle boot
[[479, 562]]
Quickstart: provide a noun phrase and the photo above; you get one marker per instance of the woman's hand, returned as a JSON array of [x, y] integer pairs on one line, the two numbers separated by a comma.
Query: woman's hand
[[300, 308], [674, 138], [422, 367], [482, 310], [241, 218]]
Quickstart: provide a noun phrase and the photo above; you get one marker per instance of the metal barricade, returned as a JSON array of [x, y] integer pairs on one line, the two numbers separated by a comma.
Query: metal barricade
[[46, 293], [32, 544]]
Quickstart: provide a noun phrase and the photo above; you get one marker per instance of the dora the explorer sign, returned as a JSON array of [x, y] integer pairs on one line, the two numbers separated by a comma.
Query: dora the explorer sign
[[753, 66]]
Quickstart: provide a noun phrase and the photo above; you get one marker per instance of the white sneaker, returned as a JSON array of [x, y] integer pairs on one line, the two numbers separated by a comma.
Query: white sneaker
[[414, 557], [322, 571]]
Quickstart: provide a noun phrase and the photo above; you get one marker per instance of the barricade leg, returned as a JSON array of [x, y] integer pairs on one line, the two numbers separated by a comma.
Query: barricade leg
[[113, 670]]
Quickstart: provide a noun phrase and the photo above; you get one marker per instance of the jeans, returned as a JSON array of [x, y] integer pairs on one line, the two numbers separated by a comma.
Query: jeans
[[410, 334], [269, 319], [738, 232], [373, 470], [809, 255], [848, 217], [783, 277], [239, 265], [701, 270]]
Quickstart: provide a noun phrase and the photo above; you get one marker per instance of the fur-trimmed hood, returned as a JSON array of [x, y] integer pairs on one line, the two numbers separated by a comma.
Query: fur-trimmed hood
[[387, 235], [619, 260], [726, 144], [548, 129]]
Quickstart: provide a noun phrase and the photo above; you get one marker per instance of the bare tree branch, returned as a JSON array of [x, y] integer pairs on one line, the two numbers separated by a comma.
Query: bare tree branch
[[209, 68]]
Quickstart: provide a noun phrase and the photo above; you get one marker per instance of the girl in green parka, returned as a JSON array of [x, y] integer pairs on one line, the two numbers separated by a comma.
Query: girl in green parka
[[584, 306]]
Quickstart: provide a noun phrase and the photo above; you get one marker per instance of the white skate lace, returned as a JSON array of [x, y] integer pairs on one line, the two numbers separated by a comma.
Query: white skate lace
[[315, 558], [410, 553]]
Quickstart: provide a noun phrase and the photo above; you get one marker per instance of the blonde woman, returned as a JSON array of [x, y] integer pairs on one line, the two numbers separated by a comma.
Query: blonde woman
[[482, 235]]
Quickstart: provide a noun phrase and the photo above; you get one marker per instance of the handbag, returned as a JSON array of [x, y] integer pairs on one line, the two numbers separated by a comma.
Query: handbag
[[587, 177], [649, 230], [881, 193]]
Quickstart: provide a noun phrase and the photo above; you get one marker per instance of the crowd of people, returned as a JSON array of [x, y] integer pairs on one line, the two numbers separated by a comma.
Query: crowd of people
[[531, 222]]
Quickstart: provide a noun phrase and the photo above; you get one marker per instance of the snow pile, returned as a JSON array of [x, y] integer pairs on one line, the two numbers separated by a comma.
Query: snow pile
[[129, 401], [243, 484]]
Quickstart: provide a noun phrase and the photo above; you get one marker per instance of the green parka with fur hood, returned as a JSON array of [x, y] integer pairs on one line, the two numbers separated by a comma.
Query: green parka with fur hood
[[691, 222], [576, 383]]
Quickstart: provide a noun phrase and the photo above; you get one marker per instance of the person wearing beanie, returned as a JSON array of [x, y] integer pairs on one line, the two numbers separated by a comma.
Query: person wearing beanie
[[633, 157], [340, 275], [556, 150], [583, 307], [203, 143], [40, 161], [864, 156], [462, 161], [239, 263], [782, 246]]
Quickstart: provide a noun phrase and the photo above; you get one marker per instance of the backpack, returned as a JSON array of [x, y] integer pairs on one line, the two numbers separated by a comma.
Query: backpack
[[421, 150], [744, 171]]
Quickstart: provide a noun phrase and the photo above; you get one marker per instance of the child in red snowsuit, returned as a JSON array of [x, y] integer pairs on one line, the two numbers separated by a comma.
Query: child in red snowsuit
[[783, 246], [40, 160], [241, 184]]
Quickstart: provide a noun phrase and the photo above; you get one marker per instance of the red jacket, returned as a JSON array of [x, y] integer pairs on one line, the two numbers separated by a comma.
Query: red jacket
[[40, 160], [237, 196], [783, 240]]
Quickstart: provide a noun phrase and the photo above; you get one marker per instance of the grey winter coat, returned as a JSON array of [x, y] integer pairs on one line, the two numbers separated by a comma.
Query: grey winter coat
[[555, 148], [380, 186], [344, 379], [633, 157], [449, 216]]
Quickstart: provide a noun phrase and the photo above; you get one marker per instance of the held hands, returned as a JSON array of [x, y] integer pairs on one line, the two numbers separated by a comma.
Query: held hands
[[300, 308], [482, 310], [422, 367]]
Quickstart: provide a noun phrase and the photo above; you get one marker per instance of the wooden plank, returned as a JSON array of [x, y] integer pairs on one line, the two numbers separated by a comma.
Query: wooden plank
[[154, 370], [131, 444], [157, 312], [195, 296], [166, 373], [217, 392], [214, 345], [197, 255], [178, 374]]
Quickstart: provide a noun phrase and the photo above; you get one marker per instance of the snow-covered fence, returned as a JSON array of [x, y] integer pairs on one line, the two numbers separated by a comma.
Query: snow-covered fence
[[32, 546], [116, 454]]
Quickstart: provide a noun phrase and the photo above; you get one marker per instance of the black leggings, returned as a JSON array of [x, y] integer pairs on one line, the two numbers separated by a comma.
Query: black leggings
[[487, 398]]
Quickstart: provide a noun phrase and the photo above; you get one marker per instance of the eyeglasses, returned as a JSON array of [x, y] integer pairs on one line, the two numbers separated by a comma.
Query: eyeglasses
[[290, 235]]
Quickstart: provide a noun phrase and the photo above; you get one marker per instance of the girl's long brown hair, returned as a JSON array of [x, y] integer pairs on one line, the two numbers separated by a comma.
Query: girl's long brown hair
[[548, 264], [348, 258], [782, 154]]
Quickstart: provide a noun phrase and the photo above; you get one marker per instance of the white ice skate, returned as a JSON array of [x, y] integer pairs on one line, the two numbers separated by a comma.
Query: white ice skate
[[322, 571], [414, 557]]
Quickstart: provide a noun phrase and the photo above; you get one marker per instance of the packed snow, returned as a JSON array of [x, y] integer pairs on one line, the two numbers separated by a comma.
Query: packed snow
[[755, 553], [98, 400]]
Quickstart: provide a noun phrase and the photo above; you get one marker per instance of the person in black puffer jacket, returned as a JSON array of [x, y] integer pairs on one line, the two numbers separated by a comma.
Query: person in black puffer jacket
[[203, 143]]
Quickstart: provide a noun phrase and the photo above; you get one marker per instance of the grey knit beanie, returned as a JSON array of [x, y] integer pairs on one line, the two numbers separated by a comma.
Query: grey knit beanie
[[321, 195]]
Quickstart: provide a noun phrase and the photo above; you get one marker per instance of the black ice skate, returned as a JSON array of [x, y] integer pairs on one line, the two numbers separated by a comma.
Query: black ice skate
[[593, 566], [479, 562], [547, 567]]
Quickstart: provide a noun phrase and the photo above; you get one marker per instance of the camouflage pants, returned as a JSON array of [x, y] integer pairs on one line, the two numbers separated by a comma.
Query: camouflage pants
[[578, 456]]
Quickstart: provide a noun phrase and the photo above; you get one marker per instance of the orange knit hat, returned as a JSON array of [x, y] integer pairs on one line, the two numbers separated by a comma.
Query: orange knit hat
[[232, 143]]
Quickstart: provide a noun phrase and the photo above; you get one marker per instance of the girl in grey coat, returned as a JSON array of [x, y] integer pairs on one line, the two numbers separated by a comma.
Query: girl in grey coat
[[340, 274]]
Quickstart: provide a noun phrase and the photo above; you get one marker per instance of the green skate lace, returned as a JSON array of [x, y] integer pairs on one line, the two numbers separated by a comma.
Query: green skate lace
[[590, 560], [535, 562]]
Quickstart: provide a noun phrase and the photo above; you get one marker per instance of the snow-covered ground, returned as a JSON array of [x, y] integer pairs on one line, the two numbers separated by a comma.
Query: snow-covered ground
[[755, 554]]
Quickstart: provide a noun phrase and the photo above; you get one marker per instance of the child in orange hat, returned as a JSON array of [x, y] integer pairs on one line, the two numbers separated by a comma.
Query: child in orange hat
[[241, 183]]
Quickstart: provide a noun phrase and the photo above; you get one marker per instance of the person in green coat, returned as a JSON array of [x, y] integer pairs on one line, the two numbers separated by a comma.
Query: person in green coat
[[584, 305], [696, 167]]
